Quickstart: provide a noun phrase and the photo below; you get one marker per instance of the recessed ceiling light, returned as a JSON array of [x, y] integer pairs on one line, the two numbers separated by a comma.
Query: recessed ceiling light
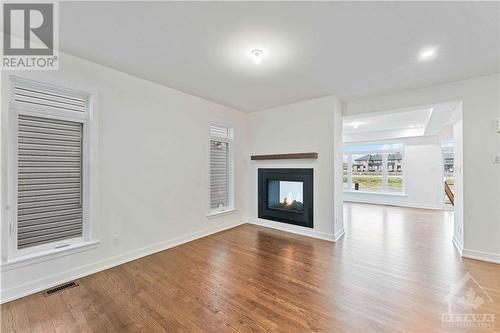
[[256, 55], [354, 124], [427, 54]]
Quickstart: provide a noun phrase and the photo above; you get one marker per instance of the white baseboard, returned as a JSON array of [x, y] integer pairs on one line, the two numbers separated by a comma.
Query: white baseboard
[[480, 255], [339, 234], [291, 228], [60, 278], [406, 205], [458, 245]]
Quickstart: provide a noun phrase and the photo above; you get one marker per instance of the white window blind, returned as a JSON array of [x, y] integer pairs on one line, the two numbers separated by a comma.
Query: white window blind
[[219, 167], [218, 174], [218, 131], [49, 180], [43, 97]]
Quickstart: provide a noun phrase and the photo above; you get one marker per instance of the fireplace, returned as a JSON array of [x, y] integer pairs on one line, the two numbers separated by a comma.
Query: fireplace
[[286, 195]]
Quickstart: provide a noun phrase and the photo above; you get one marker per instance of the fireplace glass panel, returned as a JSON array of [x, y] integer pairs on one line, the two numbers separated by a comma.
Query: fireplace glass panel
[[285, 195]]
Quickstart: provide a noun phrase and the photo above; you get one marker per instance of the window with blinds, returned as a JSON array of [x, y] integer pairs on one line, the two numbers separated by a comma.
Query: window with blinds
[[49, 165], [220, 141]]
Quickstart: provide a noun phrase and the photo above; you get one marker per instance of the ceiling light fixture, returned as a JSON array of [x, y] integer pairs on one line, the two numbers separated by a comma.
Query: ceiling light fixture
[[256, 55], [427, 54]]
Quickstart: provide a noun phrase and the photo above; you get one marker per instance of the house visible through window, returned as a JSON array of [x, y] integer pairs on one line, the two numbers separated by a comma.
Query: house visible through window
[[345, 172], [395, 172], [51, 162], [373, 168], [448, 166], [220, 168]]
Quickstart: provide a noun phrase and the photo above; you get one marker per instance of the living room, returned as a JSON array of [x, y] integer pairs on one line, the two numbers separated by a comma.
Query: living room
[[251, 166]]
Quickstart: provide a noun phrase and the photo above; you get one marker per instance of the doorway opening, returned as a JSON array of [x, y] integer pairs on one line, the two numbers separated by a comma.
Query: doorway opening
[[409, 158]]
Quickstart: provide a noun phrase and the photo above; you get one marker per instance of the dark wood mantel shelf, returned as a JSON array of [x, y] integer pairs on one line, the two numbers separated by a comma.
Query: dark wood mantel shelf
[[285, 156]]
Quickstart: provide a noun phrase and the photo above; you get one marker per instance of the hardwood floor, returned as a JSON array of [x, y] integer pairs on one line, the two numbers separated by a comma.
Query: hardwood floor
[[390, 273]]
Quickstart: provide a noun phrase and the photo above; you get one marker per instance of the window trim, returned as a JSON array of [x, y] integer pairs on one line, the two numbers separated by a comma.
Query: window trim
[[86, 119], [385, 175], [230, 186]]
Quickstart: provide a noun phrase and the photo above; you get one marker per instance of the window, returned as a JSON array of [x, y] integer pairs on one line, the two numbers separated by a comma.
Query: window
[[448, 166], [220, 169], [367, 172], [373, 168], [345, 172], [49, 154], [395, 172]]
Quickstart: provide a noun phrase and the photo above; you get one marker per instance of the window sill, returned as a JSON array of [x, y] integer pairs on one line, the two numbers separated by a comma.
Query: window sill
[[378, 193], [34, 258], [221, 212]]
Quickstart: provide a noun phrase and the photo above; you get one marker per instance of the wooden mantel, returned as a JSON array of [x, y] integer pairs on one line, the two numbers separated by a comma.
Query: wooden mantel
[[291, 156]]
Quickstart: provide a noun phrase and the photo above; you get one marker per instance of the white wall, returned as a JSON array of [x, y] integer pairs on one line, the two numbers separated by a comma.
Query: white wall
[[458, 162], [300, 127], [481, 177], [338, 169], [153, 172], [423, 187]]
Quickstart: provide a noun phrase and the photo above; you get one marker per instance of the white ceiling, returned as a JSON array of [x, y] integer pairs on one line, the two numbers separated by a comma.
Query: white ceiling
[[420, 121], [310, 49], [414, 119]]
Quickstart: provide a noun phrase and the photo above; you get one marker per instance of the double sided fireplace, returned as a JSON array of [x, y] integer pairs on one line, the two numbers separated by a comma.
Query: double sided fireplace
[[286, 195]]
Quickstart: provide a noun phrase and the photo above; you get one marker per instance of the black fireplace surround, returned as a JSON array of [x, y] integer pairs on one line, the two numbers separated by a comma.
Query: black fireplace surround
[[286, 195]]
